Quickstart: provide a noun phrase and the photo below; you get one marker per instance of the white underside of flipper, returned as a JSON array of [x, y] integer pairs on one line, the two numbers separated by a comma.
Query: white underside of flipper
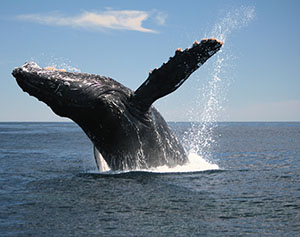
[[100, 162]]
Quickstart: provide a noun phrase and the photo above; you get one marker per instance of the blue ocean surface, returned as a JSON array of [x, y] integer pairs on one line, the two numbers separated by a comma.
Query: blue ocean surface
[[49, 186]]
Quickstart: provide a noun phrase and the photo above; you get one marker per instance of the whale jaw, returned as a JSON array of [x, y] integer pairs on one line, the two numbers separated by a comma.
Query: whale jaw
[[67, 92]]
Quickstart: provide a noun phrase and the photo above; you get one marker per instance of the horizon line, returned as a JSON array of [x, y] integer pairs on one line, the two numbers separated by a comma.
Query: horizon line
[[233, 121]]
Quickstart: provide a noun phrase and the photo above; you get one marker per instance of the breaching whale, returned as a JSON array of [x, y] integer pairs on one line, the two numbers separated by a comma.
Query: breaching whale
[[126, 130]]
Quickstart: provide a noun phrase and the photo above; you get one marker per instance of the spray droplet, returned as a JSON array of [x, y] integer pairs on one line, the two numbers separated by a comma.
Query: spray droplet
[[200, 137]]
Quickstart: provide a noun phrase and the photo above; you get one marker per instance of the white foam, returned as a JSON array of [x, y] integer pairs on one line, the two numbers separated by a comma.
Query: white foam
[[195, 163]]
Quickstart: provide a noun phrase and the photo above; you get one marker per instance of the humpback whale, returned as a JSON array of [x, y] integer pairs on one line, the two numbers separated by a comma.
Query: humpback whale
[[126, 130]]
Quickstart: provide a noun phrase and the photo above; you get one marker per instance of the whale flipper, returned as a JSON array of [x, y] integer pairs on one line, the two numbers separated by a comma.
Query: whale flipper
[[100, 162], [172, 74]]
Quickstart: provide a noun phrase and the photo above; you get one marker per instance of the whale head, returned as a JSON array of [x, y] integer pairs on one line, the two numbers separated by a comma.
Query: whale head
[[71, 94]]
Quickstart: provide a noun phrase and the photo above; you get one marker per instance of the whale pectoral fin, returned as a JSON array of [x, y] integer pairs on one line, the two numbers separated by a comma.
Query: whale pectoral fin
[[100, 162], [172, 74]]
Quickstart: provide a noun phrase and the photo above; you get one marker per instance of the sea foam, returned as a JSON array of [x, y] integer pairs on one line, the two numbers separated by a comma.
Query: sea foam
[[195, 163]]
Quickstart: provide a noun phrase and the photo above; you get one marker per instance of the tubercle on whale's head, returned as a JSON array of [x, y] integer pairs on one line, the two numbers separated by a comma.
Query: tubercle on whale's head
[[71, 94]]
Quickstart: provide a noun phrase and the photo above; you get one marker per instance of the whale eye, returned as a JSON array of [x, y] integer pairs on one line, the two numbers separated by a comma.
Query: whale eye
[[51, 84]]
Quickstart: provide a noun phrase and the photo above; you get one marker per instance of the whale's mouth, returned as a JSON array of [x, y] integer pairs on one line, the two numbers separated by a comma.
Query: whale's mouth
[[29, 80], [53, 80], [32, 75], [38, 82]]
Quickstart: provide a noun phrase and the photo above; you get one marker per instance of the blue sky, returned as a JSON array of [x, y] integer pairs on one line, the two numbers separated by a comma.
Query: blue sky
[[259, 75]]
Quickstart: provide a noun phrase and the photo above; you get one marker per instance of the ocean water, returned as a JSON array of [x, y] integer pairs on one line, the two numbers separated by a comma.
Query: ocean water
[[49, 186]]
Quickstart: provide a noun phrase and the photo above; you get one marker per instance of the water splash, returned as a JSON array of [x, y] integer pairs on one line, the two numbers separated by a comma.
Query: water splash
[[196, 163], [234, 20], [67, 67], [200, 138], [56, 62], [63, 64]]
